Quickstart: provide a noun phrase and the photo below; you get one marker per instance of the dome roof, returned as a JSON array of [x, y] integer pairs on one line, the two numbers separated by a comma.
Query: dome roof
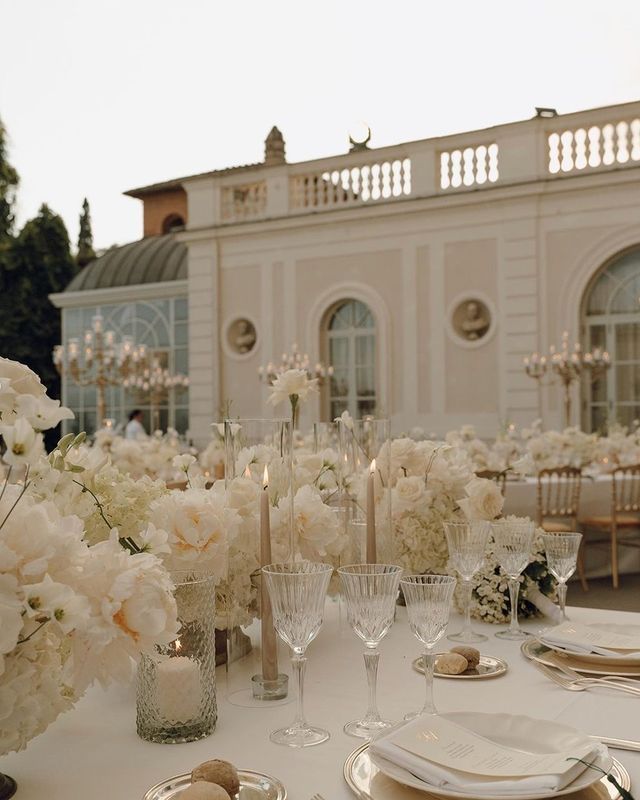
[[151, 260]]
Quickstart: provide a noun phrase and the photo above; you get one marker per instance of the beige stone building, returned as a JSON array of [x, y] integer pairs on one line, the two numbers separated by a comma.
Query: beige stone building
[[423, 272]]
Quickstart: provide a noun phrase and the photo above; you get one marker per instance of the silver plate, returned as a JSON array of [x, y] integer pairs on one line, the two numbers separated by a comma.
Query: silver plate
[[366, 780], [535, 650], [253, 786], [489, 667]]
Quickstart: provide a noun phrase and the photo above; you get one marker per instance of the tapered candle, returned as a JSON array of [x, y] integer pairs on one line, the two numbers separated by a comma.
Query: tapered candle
[[268, 634], [371, 515]]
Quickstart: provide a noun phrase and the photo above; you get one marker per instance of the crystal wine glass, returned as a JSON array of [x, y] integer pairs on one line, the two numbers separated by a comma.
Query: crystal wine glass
[[297, 591], [467, 543], [562, 559], [513, 542], [370, 592], [428, 599]]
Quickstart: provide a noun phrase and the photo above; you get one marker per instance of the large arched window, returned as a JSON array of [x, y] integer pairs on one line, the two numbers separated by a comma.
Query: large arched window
[[612, 322], [350, 348]]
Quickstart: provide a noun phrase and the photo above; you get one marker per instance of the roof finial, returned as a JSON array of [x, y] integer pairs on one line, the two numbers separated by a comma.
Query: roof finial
[[274, 148]]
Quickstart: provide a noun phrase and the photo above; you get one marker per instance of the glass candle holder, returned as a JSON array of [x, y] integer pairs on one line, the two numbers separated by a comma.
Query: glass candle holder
[[176, 690]]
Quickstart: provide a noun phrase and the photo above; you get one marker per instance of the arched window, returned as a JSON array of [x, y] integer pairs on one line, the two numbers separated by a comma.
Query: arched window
[[350, 349], [172, 223], [612, 322]]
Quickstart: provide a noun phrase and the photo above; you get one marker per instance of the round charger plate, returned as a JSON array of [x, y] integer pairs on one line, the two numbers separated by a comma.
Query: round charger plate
[[489, 667], [366, 780], [535, 650], [253, 786]]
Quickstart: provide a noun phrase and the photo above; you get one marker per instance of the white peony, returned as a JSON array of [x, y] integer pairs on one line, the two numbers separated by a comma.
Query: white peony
[[317, 534], [199, 526], [484, 500]]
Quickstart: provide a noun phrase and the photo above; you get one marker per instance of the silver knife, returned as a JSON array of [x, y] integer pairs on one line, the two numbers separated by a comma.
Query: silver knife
[[618, 744]]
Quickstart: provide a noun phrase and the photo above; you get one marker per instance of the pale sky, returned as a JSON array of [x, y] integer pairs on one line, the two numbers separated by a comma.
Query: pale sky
[[100, 96]]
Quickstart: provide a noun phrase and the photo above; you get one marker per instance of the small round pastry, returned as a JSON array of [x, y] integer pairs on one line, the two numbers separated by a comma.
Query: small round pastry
[[470, 653], [451, 664], [218, 771], [202, 790]]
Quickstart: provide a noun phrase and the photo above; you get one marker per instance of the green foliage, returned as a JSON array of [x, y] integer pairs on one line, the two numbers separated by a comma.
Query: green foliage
[[8, 184], [86, 253], [37, 263]]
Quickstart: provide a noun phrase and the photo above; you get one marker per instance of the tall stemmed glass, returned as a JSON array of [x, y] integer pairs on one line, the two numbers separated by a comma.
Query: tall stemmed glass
[[370, 591], [513, 542], [428, 600], [467, 543], [562, 558], [297, 591]]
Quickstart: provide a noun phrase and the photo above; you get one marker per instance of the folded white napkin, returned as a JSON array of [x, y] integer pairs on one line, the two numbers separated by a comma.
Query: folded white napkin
[[400, 747], [584, 639]]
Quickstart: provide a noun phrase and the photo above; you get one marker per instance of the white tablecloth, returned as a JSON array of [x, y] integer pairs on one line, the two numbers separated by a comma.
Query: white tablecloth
[[595, 499], [93, 753]]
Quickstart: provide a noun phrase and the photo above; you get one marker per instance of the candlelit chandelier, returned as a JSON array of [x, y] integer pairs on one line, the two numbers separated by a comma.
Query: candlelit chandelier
[[294, 360]]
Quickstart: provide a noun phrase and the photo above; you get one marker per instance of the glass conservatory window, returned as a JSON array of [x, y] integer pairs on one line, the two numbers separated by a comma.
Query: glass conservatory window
[[160, 324]]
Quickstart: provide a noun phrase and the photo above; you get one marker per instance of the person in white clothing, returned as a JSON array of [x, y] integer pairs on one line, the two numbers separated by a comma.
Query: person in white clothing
[[135, 428]]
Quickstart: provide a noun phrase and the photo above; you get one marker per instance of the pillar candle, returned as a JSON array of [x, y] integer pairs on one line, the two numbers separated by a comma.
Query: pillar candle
[[371, 515], [268, 634], [179, 690]]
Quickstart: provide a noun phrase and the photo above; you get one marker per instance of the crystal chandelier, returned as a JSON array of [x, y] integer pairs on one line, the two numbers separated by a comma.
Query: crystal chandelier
[[569, 365], [294, 360], [100, 361]]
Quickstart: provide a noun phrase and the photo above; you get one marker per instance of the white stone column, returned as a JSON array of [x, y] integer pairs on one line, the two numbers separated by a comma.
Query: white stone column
[[204, 345]]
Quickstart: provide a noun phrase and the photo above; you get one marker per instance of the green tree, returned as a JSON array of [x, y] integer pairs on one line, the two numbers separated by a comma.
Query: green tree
[[8, 184], [86, 253], [39, 262]]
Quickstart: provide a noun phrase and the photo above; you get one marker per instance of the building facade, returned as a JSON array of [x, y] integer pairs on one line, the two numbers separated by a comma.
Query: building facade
[[423, 272]]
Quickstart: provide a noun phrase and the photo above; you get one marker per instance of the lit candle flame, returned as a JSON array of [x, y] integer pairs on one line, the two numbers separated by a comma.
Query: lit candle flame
[[247, 472], [372, 468], [265, 477], [178, 646]]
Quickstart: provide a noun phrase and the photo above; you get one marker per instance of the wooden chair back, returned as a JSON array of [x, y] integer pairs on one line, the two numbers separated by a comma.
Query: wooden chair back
[[499, 477], [558, 493], [625, 490]]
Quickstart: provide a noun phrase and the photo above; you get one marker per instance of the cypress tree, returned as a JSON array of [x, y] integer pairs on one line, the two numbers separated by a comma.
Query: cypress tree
[[8, 184], [86, 253]]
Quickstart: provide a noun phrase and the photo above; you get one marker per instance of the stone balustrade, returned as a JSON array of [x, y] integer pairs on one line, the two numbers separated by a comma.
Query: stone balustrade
[[540, 149]]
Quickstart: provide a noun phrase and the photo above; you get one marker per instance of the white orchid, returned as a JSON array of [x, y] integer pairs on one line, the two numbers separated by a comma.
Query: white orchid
[[23, 444]]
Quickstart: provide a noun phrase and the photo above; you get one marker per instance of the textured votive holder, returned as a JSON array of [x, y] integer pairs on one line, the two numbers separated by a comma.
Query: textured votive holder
[[264, 689]]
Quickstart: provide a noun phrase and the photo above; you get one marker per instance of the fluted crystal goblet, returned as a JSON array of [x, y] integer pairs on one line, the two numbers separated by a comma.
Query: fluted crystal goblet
[[297, 591], [428, 599], [513, 543], [562, 559], [467, 542], [370, 592]]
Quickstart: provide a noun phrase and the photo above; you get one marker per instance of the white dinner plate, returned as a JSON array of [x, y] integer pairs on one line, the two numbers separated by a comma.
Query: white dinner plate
[[253, 786], [537, 651], [602, 660], [510, 730]]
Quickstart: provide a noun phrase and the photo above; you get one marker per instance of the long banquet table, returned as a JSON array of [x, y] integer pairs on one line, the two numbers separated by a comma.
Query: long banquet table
[[93, 752]]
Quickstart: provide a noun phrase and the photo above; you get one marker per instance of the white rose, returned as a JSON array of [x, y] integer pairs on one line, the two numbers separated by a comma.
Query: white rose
[[292, 383], [485, 500], [409, 494]]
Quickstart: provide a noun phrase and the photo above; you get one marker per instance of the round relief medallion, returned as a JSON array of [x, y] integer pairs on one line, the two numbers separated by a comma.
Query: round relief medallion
[[471, 319], [241, 336]]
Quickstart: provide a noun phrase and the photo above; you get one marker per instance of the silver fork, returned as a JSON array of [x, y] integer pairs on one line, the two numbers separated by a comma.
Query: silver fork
[[576, 676], [581, 684]]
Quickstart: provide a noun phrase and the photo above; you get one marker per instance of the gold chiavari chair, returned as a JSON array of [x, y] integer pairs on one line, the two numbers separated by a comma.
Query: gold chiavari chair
[[499, 477], [558, 501], [624, 516]]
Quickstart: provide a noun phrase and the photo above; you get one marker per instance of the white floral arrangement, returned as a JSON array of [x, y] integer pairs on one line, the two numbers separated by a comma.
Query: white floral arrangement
[[71, 612], [619, 448], [550, 449], [490, 586]]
